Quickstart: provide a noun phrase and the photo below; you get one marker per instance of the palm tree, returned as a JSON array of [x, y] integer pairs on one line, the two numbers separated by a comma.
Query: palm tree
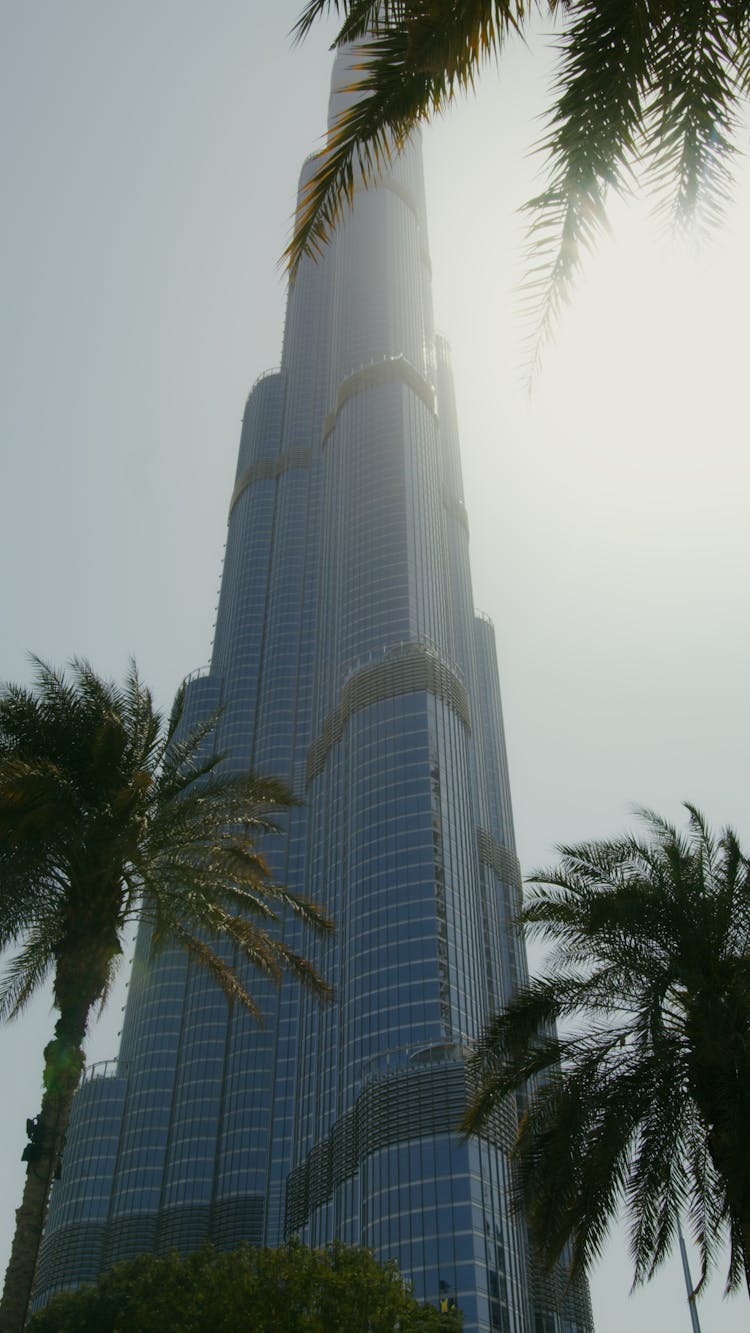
[[107, 815], [638, 84], [644, 1095]]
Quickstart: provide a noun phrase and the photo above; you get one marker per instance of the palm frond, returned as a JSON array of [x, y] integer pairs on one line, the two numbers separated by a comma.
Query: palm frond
[[176, 712], [573, 1151], [360, 146], [411, 61], [705, 1210], [692, 116], [30, 894], [101, 810], [360, 17], [25, 973], [223, 974], [656, 1188], [315, 9], [521, 1042], [36, 799], [642, 1095], [643, 91], [144, 725]]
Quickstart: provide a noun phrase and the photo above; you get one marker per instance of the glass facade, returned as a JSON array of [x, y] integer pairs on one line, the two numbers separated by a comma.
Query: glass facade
[[349, 661]]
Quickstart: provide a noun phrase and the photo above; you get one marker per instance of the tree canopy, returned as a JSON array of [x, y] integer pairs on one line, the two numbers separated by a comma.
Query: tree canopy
[[642, 1096], [292, 1289], [107, 815], [643, 89]]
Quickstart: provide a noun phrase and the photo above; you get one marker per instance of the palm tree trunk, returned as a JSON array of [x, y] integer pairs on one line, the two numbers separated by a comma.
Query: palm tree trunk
[[63, 1062]]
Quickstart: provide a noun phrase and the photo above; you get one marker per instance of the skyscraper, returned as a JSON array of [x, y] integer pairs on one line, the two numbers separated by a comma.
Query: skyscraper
[[348, 660]]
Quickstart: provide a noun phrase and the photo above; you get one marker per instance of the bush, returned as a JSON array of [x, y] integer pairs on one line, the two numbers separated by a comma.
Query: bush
[[292, 1289]]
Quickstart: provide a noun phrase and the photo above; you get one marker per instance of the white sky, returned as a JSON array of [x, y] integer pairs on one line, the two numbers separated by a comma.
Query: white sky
[[149, 166]]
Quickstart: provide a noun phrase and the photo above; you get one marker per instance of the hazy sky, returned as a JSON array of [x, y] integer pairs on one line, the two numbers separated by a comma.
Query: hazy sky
[[149, 166]]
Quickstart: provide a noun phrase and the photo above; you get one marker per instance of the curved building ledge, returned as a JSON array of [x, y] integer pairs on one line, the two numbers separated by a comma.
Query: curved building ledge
[[392, 370], [267, 469], [408, 669], [406, 195], [396, 1107], [505, 863]]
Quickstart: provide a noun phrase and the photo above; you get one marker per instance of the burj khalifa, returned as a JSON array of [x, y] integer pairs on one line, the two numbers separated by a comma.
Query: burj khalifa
[[348, 660]]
